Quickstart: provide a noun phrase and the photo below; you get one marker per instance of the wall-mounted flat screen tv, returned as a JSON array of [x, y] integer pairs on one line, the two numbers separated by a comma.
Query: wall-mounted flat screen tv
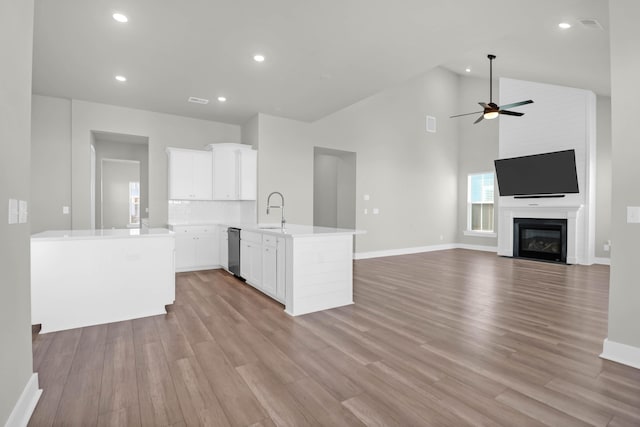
[[539, 174]]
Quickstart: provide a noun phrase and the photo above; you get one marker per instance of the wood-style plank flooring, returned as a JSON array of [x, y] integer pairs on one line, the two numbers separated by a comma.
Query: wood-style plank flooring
[[449, 338]]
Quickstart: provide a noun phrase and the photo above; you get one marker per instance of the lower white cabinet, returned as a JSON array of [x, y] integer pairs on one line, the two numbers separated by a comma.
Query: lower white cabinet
[[269, 269], [262, 263], [223, 239], [251, 258], [197, 247]]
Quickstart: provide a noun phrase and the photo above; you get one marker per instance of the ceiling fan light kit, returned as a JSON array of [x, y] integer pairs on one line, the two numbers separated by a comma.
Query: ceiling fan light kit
[[491, 110]]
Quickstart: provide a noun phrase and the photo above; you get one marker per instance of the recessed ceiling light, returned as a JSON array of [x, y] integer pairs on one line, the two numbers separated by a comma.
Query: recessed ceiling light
[[120, 17], [564, 25], [121, 79], [222, 99], [258, 58], [468, 69]]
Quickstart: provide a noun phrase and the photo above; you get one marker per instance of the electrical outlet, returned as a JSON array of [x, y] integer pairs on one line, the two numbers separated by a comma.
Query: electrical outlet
[[606, 247], [633, 214], [65, 210], [366, 211], [376, 211], [13, 211]]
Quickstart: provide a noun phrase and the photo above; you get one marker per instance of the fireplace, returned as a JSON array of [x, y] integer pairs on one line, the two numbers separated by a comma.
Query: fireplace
[[543, 239]]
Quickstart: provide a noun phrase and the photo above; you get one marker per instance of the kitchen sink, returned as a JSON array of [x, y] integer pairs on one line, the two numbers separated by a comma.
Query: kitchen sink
[[270, 228]]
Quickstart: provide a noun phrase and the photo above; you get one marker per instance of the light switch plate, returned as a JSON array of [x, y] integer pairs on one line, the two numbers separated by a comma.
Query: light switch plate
[[633, 214], [13, 211], [65, 210], [376, 211], [23, 212], [431, 124], [366, 197]]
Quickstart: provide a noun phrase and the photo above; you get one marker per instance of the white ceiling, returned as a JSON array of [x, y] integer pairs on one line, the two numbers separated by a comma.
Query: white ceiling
[[321, 55]]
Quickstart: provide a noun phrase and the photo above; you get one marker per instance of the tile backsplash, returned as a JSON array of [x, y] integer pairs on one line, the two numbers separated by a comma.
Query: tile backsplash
[[200, 211]]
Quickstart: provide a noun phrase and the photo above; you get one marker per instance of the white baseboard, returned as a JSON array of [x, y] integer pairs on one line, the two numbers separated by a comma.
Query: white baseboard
[[621, 353], [421, 249], [603, 261], [477, 247], [26, 404]]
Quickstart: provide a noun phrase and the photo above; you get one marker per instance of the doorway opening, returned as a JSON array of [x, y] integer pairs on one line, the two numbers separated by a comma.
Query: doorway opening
[[334, 188], [120, 177]]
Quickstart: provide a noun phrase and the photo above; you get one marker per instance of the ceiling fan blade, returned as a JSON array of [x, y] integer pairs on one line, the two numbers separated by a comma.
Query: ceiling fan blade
[[465, 114], [517, 104], [479, 119], [484, 105], [510, 113]]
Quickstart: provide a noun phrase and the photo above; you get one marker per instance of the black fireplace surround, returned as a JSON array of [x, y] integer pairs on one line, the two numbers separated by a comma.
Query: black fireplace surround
[[542, 239]]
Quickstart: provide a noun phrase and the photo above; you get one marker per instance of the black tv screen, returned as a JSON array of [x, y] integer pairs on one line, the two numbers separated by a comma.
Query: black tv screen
[[548, 173]]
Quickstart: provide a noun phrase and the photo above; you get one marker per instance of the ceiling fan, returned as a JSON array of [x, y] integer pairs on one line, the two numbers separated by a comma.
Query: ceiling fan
[[492, 110]]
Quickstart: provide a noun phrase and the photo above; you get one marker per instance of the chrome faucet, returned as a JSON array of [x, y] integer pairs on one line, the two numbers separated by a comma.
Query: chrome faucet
[[281, 207]]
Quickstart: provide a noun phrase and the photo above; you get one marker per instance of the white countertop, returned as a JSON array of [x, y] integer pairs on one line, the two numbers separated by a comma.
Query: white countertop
[[291, 230], [101, 234]]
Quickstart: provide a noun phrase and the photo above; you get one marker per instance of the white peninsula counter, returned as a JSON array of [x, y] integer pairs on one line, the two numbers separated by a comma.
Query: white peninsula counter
[[88, 277], [311, 269]]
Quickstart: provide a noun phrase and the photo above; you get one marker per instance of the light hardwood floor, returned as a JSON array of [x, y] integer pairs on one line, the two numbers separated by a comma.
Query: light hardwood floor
[[449, 338]]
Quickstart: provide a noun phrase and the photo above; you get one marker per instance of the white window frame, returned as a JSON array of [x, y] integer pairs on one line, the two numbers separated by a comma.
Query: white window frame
[[469, 231]]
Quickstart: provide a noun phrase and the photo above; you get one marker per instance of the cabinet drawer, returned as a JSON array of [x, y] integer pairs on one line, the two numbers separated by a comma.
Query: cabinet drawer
[[269, 240], [193, 229], [250, 236]]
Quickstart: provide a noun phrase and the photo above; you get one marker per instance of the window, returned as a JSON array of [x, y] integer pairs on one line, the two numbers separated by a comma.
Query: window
[[134, 203], [480, 203]]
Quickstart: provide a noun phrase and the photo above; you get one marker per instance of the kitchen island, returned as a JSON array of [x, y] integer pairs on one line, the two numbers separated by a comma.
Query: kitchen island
[[306, 268], [88, 277]]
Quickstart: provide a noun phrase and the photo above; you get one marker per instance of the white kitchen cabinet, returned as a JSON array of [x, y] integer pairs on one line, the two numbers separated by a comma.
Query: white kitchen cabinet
[[269, 268], [281, 272], [197, 247], [224, 175], [190, 174], [247, 164], [223, 239], [251, 258], [234, 172]]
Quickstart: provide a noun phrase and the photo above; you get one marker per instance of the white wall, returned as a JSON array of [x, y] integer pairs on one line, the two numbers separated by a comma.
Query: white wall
[[116, 176], [410, 175], [50, 163], [478, 150], [624, 293], [325, 190], [163, 130], [16, 43]]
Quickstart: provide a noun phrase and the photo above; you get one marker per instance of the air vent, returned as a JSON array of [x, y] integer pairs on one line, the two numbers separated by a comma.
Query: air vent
[[198, 100], [591, 24]]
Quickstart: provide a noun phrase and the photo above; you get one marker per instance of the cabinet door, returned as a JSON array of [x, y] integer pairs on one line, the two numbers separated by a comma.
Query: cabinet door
[[207, 248], [269, 269], [224, 175], [245, 262], [281, 272], [202, 173], [223, 239], [180, 175], [256, 264], [247, 174], [185, 251]]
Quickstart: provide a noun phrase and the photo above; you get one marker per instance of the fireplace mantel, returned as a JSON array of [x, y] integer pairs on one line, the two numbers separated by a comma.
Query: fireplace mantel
[[576, 251]]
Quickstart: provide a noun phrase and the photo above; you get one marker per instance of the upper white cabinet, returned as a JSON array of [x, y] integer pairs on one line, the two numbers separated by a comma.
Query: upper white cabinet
[[234, 171], [190, 173]]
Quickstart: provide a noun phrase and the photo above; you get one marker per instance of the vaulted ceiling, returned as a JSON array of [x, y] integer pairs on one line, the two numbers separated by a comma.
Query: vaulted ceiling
[[321, 56]]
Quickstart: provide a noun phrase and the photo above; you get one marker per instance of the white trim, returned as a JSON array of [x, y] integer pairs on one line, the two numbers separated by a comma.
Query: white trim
[[403, 251], [479, 233], [477, 247], [26, 403], [603, 261], [621, 353]]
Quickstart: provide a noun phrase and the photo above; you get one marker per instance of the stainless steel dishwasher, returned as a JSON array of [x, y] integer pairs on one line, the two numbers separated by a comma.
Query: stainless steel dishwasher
[[234, 250]]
